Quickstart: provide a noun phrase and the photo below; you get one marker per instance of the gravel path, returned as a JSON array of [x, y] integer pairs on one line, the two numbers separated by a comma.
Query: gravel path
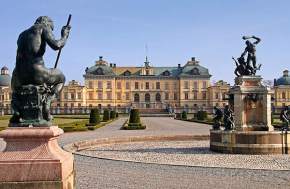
[[95, 173], [189, 153], [92, 173]]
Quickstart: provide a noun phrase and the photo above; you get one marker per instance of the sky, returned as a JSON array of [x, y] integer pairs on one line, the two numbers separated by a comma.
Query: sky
[[173, 30]]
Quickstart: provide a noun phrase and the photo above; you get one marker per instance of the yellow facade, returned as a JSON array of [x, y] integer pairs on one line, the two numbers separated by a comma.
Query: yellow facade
[[152, 88], [282, 91]]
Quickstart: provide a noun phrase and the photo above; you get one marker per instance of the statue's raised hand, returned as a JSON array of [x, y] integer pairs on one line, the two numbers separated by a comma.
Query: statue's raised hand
[[65, 31]]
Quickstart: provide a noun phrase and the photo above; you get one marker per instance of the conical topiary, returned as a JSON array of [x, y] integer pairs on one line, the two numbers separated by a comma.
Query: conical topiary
[[112, 114], [94, 117], [134, 116], [106, 116]]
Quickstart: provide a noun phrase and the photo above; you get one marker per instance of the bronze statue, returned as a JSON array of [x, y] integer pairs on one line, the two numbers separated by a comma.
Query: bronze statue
[[218, 115], [285, 118], [242, 68], [228, 118], [250, 50], [34, 85]]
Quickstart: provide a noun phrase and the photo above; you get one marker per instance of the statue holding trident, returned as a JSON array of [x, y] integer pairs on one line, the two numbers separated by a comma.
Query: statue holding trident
[[34, 85], [250, 50]]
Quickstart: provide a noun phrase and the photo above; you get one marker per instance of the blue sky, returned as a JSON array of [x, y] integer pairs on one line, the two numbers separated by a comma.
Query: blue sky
[[174, 31]]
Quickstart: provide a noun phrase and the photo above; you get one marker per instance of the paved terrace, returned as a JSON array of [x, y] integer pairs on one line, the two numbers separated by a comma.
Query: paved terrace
[[101, 173]]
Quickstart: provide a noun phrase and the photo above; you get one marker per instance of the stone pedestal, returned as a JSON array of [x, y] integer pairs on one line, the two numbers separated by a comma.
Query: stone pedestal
[[251, 104], [33, 159]]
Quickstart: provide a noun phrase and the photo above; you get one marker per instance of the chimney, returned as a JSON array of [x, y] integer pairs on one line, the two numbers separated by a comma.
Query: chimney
[[100, 58], [179, 66], [285, 73]]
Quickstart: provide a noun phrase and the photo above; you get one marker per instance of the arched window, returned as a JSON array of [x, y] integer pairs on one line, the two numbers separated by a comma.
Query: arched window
[[147, 97], [166, 73], [99, 71], [195, 71], [158, 97], [127, 73], [136, 97]]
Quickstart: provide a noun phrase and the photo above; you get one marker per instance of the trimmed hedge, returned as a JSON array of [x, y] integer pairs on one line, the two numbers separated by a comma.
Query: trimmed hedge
[[94, 117], [112, 114], [184, 115], [134, 116], [201, 115], [106, 116]]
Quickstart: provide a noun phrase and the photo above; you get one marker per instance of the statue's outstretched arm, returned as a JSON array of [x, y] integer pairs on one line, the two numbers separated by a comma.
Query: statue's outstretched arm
[[51, 41], [258, 40]]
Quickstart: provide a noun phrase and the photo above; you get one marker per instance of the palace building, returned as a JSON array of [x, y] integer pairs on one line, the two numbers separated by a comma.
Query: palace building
[[282, 91], [148, 88]]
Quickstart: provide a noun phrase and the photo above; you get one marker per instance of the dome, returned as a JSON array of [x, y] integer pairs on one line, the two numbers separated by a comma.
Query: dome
[[5, 80], [284, 80]]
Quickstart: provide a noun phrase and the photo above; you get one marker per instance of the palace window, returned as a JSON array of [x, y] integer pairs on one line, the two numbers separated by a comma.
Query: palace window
[[119, 96], [127, 96], [136, 85], [136, 97], [147, 72], [99, 71], [186, 85], [109, 96], [127, 85], [72, 96], [195, 96], [166, 73], [204, 95], [186, 95], [65, 96], [127, 73], [100, 95], [216, 95], [109, 84], [147, 85], [79, 95], [195, 86], [100, 85], [158, 97], [147, 97], [157, 85], [119, 85], [195, 71], [90, 85], [175, 96], [166, 86], [166, 96], [283, 95], [79, 104], [90, 96], [204, 85]]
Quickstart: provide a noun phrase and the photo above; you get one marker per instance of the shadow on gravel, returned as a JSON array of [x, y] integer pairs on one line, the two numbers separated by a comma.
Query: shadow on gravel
[[193, 150]]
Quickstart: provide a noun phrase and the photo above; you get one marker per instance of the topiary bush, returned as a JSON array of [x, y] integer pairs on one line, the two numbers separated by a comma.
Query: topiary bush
[[201, 115], [184, 115], [134, 116], [106, 116], [94, 117], [112, 114]]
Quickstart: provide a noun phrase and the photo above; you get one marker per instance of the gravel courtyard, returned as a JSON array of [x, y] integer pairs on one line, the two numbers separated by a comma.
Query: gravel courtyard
[[92, 173]]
